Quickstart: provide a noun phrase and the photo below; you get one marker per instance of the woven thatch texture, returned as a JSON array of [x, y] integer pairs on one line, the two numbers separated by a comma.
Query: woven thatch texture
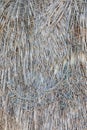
[[43, 69]]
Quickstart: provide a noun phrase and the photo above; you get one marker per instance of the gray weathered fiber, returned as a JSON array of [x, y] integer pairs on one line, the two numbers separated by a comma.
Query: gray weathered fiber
[[43, 64]]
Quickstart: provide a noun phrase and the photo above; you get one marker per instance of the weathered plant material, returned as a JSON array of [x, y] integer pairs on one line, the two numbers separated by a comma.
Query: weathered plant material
[[43, 64]]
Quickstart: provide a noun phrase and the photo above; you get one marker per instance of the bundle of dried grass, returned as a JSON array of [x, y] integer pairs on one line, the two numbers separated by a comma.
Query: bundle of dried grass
[[43, 69]]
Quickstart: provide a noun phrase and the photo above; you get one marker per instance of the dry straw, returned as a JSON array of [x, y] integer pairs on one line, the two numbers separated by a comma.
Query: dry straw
[[43, 69]]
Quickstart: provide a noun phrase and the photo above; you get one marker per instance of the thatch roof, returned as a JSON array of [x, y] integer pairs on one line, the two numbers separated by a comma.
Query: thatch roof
[[43, 69]]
